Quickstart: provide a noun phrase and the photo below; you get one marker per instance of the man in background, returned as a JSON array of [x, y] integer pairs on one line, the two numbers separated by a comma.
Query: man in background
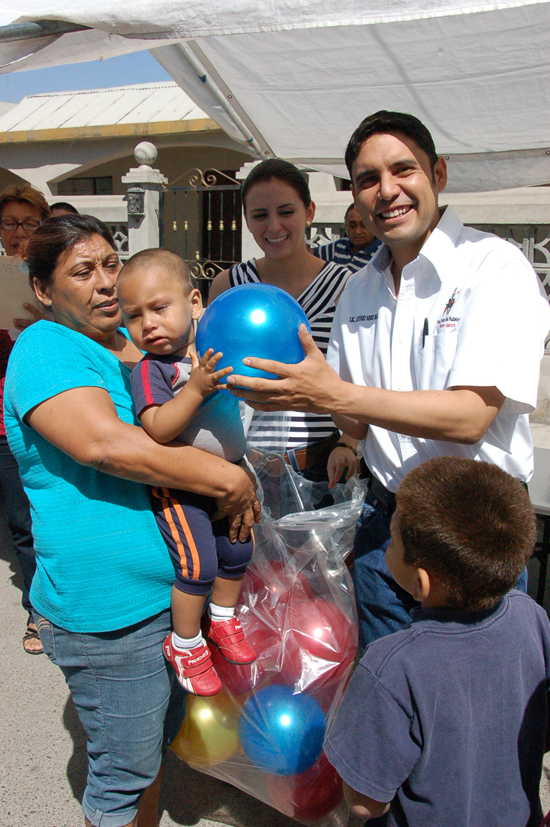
[[354, 251], [62, 208]]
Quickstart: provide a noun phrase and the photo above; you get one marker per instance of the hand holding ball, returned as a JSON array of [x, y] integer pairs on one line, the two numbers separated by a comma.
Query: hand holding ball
[[252, 320]]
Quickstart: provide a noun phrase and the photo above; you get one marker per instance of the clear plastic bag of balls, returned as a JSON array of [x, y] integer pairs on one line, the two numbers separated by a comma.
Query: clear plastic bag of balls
[[264, 731]]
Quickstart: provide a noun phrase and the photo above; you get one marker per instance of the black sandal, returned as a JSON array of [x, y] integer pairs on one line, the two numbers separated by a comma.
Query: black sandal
[[31, 634]]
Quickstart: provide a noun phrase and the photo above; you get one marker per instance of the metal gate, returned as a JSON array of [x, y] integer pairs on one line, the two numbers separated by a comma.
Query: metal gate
[[201, 221], [533, 241]]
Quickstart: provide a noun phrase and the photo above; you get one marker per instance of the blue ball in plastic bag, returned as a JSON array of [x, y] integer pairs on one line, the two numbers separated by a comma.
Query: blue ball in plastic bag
[[282, 732], [252, 320]]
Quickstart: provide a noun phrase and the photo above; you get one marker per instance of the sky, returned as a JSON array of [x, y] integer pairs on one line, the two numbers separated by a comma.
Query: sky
[[138, 67]]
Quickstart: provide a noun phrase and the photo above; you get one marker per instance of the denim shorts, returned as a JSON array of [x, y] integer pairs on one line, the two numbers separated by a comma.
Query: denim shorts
[[129, 704]]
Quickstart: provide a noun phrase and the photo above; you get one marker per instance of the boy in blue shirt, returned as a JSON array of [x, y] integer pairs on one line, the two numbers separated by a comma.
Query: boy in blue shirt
[[444, 722]]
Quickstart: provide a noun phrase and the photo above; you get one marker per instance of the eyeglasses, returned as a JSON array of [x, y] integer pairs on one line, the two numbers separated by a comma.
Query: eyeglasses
[[10, 224]]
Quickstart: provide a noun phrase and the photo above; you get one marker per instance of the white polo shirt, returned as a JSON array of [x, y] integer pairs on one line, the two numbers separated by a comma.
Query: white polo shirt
[[470, 311]]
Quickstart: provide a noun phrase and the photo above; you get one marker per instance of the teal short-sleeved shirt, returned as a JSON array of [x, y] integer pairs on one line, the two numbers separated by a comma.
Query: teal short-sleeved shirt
[[101, 562]]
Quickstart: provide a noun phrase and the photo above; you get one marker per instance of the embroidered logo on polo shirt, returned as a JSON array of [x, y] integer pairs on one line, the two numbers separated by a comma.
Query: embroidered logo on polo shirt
[[370, 318], [446, 319], [450, 303]]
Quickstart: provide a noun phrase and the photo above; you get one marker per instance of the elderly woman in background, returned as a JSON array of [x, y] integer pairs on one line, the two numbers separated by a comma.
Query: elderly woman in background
[[22, 210], [101, 591]]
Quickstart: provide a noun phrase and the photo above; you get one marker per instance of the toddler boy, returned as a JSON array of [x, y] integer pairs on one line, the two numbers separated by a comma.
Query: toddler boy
[[444, 722], [176, 397]]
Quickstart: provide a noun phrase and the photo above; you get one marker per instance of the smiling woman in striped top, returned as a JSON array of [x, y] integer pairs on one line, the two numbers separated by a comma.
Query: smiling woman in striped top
[[277, 208]]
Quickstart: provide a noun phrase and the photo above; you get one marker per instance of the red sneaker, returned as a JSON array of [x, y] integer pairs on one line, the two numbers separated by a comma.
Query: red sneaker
[[229, 637], [193, 668]]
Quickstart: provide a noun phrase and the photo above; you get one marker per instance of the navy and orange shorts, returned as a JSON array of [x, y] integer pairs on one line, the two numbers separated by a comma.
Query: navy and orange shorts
[[199, 548]]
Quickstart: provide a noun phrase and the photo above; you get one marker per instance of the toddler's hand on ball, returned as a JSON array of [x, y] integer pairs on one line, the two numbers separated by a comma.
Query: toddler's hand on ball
[[204, 377]]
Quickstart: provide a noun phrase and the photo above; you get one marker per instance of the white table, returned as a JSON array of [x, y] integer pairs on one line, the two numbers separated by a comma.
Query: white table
[[539, 492]]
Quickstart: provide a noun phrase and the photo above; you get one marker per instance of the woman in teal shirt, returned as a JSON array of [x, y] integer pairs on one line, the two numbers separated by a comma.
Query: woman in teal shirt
[[102, 587]]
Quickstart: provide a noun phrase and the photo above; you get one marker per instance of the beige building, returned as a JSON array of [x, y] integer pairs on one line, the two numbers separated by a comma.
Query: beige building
[[77, 146]]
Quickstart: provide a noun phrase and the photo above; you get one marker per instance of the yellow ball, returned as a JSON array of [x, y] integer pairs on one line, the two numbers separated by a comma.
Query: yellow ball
[[209, 734]]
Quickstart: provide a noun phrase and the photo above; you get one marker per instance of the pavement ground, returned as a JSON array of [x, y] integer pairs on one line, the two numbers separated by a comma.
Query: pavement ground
[[42, 744]]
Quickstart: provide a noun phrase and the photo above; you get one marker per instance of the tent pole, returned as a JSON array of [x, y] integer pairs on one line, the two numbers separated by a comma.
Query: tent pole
[[197, 67], [41, 28]]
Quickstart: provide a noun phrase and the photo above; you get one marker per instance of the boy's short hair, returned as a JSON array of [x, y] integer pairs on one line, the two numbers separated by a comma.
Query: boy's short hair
[[159, 257], [384, 122], [468, 523]]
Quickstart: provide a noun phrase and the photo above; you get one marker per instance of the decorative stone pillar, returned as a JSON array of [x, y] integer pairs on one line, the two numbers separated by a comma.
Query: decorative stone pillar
[[143, 194]]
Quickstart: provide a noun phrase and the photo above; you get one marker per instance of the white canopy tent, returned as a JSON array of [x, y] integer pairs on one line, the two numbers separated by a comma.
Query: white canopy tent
[[294, 79]]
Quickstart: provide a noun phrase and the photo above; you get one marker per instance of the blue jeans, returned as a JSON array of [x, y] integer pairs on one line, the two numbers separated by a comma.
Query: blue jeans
[[129, 704], [19, 518], [383, 607]]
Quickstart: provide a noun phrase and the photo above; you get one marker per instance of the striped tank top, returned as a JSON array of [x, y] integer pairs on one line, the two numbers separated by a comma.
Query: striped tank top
[[318, 301]]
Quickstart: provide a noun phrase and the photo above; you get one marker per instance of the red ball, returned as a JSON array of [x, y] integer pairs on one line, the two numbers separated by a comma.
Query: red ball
[[267, 591], [239, 680], [271, 576], [302, 640], [310, 794], [268, 586], [320, 644]]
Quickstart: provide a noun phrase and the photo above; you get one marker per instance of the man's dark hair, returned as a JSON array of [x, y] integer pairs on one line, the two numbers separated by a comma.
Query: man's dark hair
[[276, 168], [468, 523], [56, 236], [64, 205], [351, 207], [383, 122]]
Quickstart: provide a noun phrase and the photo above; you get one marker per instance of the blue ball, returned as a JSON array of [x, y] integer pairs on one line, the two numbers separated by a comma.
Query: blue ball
[[282, 732], [252, 320]]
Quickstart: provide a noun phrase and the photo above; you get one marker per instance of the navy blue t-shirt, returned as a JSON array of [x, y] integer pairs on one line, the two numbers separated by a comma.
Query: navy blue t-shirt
[[216, 426], [447, 718]]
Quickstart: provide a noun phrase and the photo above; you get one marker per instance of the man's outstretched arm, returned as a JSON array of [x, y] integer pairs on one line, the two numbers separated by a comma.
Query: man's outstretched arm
[[461, 414]]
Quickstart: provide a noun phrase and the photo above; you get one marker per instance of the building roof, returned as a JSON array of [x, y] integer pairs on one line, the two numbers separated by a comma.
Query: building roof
[[155, 107], [5, 106], [140, 103]]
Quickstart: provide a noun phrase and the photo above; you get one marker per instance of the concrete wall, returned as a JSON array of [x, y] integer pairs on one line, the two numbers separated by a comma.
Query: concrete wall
[[171, 161], [541, 415], [44, 163]]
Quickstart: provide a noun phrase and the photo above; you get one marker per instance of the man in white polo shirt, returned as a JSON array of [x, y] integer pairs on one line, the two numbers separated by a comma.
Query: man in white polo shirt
[[435, 346]]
